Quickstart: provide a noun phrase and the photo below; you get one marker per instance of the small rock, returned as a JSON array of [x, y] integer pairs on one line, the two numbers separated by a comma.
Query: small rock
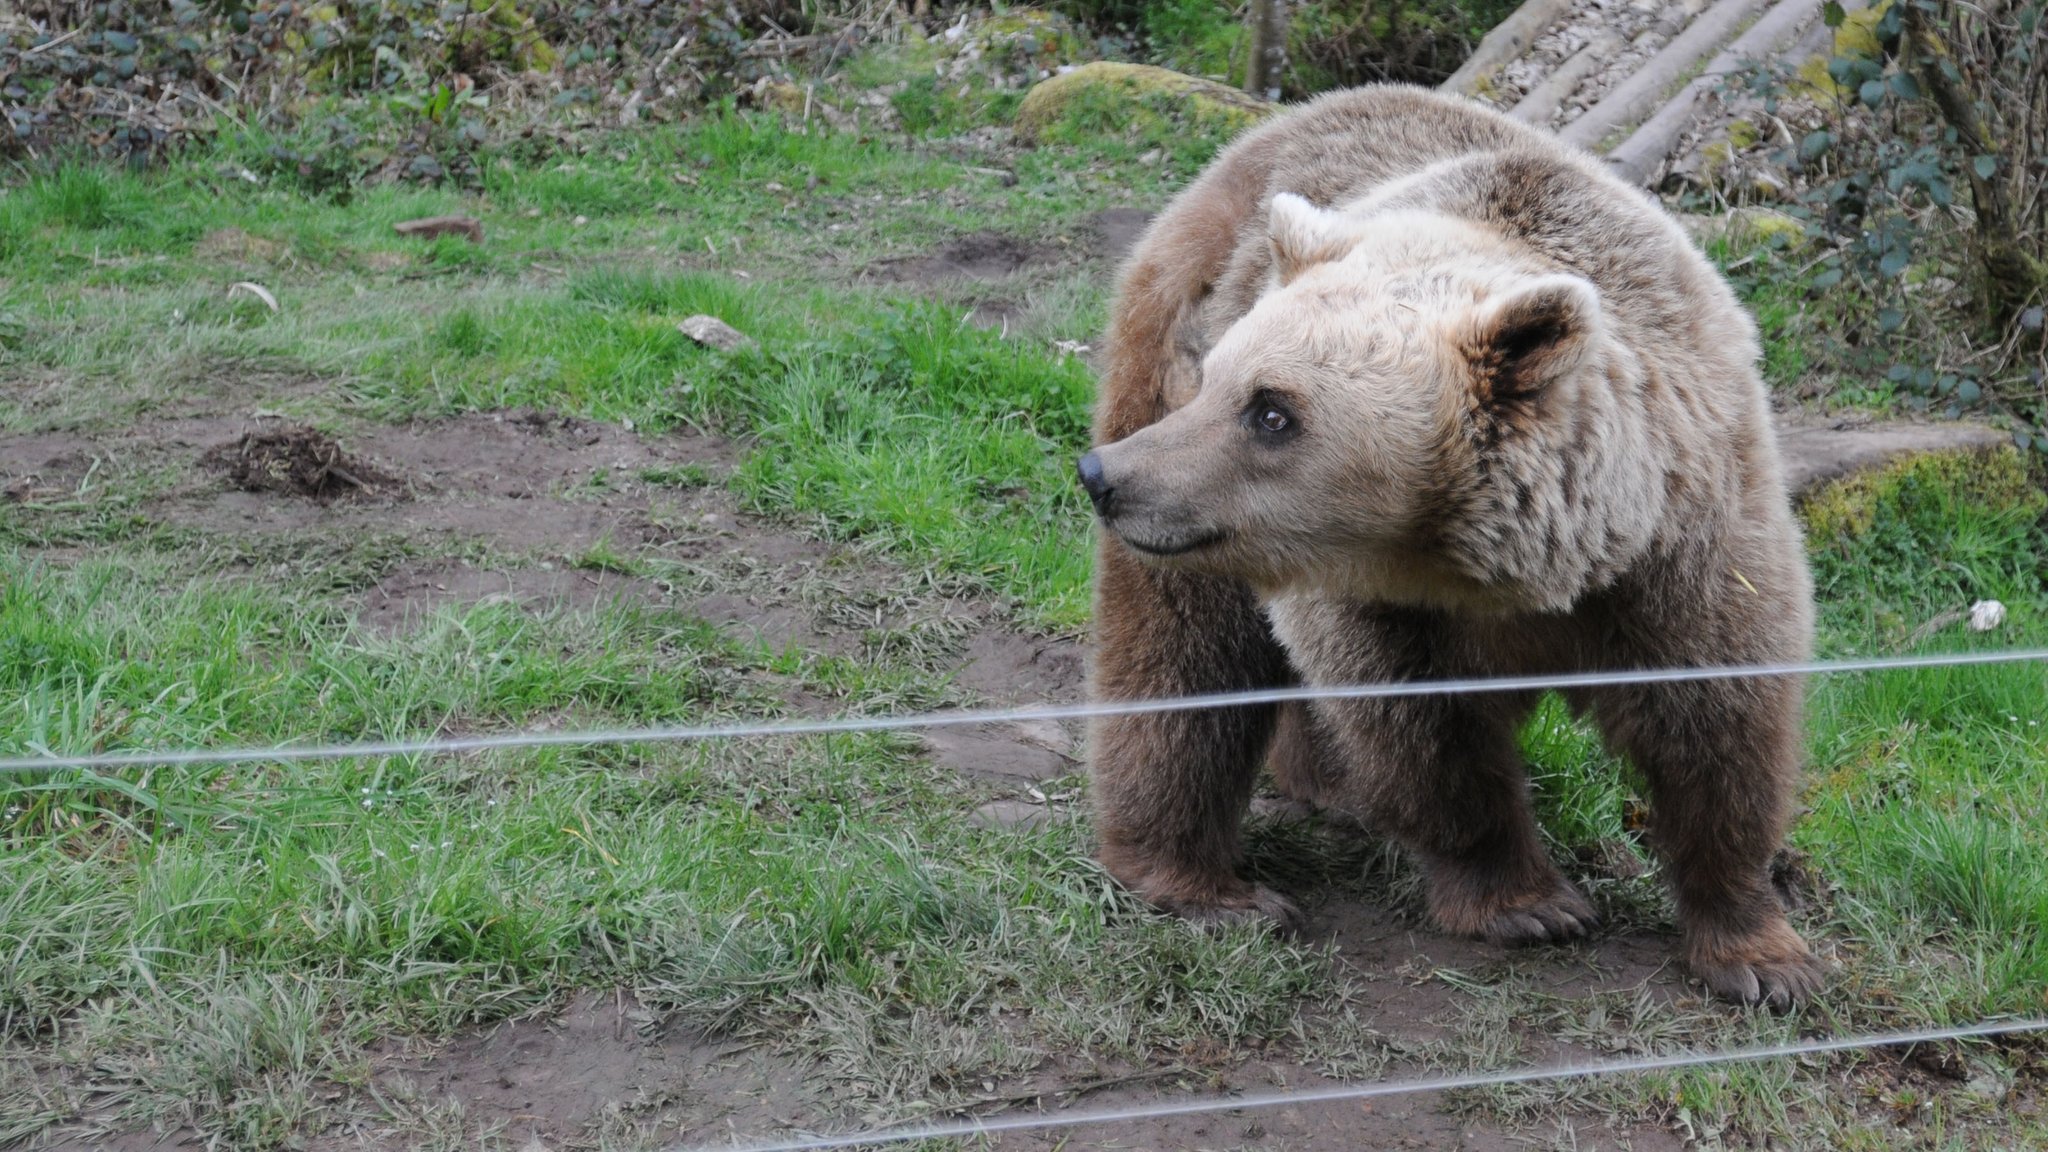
[[1010, 814], [1986, 615], [715, 334]]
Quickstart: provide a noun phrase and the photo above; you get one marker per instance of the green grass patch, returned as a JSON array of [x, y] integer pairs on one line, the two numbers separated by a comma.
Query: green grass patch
[[231, 933]]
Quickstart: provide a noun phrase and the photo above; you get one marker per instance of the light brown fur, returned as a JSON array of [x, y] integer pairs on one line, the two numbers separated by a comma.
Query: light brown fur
[[1520, 431]]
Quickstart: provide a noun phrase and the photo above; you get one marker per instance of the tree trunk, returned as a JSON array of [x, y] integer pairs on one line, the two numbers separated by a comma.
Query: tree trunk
[[1268, 20], [2012, 278]]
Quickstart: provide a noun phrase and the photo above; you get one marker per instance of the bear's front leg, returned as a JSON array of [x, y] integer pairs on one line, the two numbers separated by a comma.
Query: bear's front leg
[[1721, 758], [1171, 788], [1442, 775]]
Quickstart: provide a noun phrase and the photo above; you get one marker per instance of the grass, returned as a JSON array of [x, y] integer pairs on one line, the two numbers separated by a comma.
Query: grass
[[220, 948]]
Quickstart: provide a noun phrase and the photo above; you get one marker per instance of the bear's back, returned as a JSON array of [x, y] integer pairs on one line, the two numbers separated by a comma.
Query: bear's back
[[1206, 261], [1452, 156]]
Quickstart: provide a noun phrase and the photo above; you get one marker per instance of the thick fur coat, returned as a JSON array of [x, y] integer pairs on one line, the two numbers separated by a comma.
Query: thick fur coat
[[1402, 389]]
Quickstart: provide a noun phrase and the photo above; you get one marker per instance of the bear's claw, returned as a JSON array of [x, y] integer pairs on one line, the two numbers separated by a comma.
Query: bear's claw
[[1562, 915], [1780, 979], [1259, 904]]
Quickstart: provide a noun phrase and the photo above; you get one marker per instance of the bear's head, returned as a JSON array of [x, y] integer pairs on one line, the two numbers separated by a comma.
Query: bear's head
[[1419, 410]]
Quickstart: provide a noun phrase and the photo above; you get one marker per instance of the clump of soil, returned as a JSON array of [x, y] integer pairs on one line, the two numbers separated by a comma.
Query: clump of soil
[[298, 461]]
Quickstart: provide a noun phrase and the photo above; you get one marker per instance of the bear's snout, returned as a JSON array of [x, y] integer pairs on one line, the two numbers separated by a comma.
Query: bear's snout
[[1095, 483]]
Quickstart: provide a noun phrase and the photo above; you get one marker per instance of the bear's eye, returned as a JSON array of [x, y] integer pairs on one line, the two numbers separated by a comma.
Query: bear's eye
[[1270, 417]]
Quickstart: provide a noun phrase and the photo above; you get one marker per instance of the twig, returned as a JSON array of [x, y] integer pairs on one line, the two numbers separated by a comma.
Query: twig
[[49, 44], [1084, 1088]]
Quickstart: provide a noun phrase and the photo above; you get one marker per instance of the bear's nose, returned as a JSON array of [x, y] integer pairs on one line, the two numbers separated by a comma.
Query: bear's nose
[[1095, 484]]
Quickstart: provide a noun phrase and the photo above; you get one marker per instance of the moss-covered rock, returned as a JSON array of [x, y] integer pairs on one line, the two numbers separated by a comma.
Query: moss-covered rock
[[1019, 46], [1134, 100], [1925, 492], [1858, 34], [1857, 37], [1754, 225], [499, 33]]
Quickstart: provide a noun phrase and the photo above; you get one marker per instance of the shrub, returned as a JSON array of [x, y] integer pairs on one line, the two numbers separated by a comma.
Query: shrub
[[1927, 179]]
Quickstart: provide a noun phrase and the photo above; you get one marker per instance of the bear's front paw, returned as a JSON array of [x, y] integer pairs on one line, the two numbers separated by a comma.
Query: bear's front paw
[[1466, 905], [1771, 966], [1257, 904], [1562, 915]]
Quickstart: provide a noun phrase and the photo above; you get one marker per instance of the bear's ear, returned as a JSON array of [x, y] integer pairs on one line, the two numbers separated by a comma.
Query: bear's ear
[[1305, 235], [1537, 331]]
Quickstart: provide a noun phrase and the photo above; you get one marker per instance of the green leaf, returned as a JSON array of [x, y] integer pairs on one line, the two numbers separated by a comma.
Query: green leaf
[[1904, 86], [1894, 261], [1890, 319], [1986, 166], [1815, 144], [1828, 278], [1872, 92], [1833, 14], [1968, 392], [1898, 373]]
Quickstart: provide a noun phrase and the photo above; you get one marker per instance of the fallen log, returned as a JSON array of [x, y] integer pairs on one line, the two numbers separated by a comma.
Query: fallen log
[[1541, 102], [1634, 97], [1508, 40], [1637, 158], [433, 226]]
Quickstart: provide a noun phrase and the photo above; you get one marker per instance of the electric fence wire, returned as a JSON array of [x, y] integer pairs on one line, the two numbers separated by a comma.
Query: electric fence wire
[[972, 1128], [435, 746]]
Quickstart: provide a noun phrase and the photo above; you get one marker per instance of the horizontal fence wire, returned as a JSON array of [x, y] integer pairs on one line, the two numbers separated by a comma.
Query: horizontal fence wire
[[1565, 682], [972, 1128]]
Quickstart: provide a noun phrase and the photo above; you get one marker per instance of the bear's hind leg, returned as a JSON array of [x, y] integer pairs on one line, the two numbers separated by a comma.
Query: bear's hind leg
[[1721, 759], [1171, 788]]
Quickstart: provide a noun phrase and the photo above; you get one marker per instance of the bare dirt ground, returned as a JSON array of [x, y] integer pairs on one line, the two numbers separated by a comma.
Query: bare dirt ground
[[604, 1068]]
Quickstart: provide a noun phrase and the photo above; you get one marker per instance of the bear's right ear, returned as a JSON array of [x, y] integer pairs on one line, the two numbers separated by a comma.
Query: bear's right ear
[[1304, 235], [1520, 340]]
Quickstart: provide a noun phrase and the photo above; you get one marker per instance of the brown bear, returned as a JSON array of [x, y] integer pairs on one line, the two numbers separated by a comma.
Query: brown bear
[[1401, 389]]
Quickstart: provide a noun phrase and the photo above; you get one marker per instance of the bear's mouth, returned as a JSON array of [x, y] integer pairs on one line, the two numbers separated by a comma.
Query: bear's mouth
[[1176, 547]]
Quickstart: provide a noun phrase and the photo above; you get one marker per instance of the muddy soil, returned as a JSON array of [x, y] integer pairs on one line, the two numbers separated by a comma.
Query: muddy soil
[[979, 256], [601, 1064]]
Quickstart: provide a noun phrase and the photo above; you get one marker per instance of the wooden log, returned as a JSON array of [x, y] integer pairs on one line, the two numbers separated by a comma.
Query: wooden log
[[1541, 102], [1634, 97], [1509, 39], [1637, 158], [434, 226]]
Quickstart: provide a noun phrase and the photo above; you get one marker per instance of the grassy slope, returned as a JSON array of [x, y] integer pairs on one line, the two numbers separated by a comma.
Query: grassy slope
[[216, 944]]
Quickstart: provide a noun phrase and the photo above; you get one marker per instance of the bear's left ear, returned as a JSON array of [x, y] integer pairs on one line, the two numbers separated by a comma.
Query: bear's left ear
[[1537, 331], [1304, 236]]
